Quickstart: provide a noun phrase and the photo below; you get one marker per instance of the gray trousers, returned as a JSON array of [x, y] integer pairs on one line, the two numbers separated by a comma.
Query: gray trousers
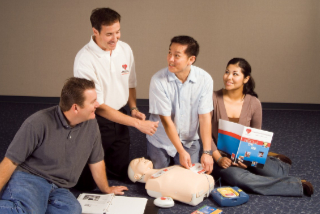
[[161, 159], [273, 179]]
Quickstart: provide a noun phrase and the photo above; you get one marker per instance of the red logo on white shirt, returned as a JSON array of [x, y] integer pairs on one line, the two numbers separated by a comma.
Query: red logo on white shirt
[[124, 66]]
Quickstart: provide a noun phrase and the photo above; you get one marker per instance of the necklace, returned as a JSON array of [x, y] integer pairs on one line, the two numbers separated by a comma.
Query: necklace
[[225, 94]]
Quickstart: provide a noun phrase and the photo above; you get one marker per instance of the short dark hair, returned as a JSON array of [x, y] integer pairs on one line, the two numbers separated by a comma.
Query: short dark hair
[[103, 16], [73, 92], [248, 88], [193, 46]]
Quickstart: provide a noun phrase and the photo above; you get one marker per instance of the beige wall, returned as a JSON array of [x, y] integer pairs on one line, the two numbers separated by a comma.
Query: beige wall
[[281, 39]]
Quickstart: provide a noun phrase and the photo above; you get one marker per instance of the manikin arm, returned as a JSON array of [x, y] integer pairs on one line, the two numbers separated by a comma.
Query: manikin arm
[[7, 167], [147, 127], [99, 175], [172, 134], [133, 103], [205, 133]]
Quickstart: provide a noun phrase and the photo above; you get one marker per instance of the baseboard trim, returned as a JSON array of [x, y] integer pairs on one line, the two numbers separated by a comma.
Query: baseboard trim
[[145, 102], [291, 106], [29, 99]]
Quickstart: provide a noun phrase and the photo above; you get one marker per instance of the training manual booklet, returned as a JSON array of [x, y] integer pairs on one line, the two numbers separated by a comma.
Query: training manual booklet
[[207, 210], [244, 144], [110, 204]]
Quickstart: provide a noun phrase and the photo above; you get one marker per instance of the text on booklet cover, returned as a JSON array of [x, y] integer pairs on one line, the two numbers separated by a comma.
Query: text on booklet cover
[[244, 144]]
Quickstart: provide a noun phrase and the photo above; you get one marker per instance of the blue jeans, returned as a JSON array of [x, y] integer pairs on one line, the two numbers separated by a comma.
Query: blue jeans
[[27, 193], [161, 159], [273, 179]]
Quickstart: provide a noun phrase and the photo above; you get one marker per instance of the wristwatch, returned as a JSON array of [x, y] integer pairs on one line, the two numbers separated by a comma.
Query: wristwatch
[[134, 108], [208, 152]]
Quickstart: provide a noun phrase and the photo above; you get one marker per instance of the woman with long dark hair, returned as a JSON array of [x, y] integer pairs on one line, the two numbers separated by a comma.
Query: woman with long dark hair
[[239, 103]]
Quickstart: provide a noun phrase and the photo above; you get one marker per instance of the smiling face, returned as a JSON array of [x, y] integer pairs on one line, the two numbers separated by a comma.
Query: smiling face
[[90, 104], [233, 78], [178, 60], [108, 37]]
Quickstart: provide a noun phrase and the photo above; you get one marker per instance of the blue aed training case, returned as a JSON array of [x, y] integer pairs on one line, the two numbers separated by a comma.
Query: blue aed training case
[[229, 196]]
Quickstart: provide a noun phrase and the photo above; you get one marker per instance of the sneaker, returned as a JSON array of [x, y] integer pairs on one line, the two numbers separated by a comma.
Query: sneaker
[[307, 188], [281, 157]]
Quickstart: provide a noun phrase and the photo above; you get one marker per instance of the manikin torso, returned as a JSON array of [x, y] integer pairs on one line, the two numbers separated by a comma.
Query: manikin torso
[[176, 182]]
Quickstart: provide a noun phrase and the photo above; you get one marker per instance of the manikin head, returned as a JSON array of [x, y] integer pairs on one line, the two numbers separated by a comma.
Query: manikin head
[[138, 168]]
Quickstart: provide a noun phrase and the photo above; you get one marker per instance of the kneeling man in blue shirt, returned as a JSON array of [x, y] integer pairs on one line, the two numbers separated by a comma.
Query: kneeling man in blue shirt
[[49, 152], [180, 96]]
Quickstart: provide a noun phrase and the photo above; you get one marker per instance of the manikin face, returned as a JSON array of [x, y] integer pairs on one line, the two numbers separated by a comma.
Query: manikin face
[[87, 111], [178, 60], [233, 78], [108, 37], [140, 166]]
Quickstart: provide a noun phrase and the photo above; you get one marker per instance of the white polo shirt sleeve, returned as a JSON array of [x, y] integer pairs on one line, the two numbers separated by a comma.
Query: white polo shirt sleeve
[[206, 102], [159, 102], [132, 77], [83, 68]]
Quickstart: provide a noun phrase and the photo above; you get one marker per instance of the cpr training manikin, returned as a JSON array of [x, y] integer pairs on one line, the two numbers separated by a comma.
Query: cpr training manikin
[[177, 182]]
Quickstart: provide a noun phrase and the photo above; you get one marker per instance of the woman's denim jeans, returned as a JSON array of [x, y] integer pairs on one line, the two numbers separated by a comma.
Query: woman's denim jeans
[[30, 194]]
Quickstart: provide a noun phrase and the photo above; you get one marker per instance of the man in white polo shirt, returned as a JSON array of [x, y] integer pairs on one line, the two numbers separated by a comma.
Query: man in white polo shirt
[[181, 97], [110, 64]]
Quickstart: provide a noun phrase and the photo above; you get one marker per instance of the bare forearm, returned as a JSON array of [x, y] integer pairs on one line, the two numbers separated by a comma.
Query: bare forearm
[[205, 133], [7, 167], [116, 116], [145, 126], [216, 156], [99, 175], [132, 101], [205, 130]]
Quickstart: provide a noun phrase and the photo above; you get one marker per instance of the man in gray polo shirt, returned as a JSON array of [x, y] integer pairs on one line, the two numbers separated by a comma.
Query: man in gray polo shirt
[[49, 152]]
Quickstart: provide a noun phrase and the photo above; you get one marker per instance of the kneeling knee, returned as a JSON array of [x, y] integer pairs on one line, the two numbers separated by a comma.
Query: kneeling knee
[[76, 208]]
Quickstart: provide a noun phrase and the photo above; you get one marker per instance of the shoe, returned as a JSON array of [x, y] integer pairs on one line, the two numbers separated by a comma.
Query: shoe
[[307, 188], [281, 157]]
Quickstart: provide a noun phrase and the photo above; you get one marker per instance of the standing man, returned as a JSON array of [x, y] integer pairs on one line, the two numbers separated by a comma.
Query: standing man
[[49, 152], [181, 97], [109, 63]]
